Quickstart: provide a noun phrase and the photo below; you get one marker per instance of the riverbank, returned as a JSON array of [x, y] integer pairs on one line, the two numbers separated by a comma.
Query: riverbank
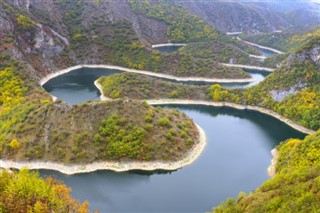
[[102, 96], [236, 106], [267, 69], [272, 167], [168, 45], [260, 46], [144, 72], [261, 57], [189, 158]]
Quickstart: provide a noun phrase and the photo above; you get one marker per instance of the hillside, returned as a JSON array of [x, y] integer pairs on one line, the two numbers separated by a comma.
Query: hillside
[[51, 38], [25, 191], [292, 90], [254, 17], [31, 128], [38, 38], [286, 40]]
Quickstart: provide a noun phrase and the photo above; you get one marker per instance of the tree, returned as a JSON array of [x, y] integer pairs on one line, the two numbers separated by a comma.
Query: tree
[[14, 144]]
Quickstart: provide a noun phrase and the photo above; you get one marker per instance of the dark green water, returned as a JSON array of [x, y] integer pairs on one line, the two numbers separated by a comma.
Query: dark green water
[[168, 49], [236, 159], [77, 86], [267, 53]]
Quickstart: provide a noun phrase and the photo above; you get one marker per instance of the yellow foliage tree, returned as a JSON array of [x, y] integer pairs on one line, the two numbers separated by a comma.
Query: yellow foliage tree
[[14, 144]]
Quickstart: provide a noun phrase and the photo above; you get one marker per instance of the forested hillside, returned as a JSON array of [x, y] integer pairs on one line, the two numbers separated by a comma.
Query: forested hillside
[[293, 90], [42, 37], [25, 191]]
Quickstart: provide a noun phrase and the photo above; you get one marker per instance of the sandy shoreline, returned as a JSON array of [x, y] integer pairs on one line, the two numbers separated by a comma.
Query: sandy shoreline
[[272, 167], [102, 96], [267, 69], [236, 106], [144, 72], [189, 158], [261, 57], [168, 45], [260, 46]]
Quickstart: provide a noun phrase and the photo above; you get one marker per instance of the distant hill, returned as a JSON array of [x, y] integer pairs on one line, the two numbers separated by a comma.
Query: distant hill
[[254, 16]]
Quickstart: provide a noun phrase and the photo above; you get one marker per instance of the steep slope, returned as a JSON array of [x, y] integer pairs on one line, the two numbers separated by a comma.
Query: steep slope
[[242, 17], [52, 38], [254, 17]]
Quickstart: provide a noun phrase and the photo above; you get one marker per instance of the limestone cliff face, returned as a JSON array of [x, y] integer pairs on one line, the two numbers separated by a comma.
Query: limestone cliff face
[[305, 56]]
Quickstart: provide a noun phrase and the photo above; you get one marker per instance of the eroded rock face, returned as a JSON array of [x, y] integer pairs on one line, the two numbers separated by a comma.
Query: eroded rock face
[[315, 54], [279, 95], [5, 25], [312, 54], [45, 43]]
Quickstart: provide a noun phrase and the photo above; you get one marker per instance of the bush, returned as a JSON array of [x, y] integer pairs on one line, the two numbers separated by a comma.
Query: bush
[[164, 121]]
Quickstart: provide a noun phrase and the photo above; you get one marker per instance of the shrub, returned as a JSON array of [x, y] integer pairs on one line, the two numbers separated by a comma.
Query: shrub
[[164, 121]]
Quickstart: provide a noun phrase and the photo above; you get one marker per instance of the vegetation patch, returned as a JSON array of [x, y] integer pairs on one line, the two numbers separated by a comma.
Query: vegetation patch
[[183, 27], [25, 191], [137, 86]]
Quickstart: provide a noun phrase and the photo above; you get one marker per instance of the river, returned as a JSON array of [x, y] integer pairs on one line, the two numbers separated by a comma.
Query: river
[[169, 49], [78, 86], [235, 159]]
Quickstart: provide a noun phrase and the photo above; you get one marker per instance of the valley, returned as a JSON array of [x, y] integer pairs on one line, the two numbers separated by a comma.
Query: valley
[[156, 98]]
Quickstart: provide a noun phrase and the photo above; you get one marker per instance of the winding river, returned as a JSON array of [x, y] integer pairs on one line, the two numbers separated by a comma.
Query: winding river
[[236, 158], [78, 86], [173, 48]]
